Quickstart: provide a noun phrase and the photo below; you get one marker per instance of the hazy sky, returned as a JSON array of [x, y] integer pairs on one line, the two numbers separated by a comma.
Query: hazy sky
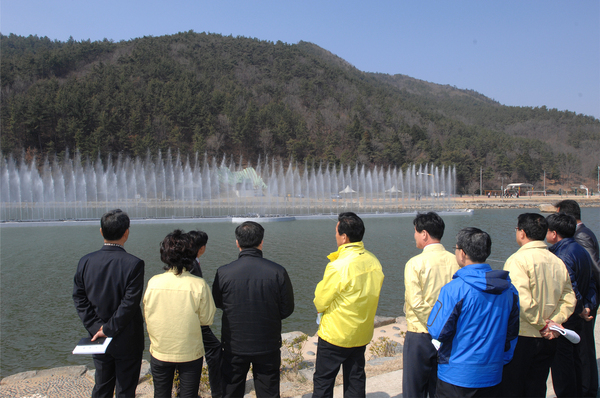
[[522, 53]]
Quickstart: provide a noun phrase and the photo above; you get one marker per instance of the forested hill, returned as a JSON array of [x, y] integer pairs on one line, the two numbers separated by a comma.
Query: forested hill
[[210, 93]]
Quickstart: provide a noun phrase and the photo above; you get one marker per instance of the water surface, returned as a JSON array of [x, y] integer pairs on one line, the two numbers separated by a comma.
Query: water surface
[[39, 326]]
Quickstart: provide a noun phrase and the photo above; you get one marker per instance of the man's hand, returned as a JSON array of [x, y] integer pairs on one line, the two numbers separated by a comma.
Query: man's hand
[[586, 314], [550, 334], [99, 334]]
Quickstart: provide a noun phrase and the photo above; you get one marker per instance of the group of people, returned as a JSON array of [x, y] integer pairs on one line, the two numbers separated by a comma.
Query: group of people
[[472, 331], [477, 332]]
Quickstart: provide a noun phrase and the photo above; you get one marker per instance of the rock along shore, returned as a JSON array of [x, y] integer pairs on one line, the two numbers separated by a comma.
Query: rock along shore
[[78, 381], [384, 375]]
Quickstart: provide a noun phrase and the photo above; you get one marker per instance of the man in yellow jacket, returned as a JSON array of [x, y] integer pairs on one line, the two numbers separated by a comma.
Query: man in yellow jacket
[[546, 300], [347, 299], [424, 276]]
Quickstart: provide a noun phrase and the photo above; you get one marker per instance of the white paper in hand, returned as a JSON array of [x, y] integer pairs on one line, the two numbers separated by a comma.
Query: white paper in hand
[[570, 335], [87, 346]]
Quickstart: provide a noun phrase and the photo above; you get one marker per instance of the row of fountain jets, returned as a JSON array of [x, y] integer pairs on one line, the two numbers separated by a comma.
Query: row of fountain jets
[[170, 186]]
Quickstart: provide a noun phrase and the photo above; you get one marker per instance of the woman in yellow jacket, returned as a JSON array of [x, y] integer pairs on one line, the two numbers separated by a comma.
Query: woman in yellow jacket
[[176, 305]]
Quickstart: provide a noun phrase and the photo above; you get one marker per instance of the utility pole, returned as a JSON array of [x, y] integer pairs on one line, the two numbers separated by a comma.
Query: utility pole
[[544, 182], [480, 181]]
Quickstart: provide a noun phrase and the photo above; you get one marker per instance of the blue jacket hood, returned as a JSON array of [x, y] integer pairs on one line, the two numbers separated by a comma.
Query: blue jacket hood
[[483, 278]]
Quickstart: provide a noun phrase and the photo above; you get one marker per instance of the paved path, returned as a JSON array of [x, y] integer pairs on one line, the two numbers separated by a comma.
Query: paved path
[[77, 381]]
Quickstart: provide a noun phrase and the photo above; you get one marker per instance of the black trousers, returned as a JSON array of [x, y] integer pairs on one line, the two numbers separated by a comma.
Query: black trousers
[[419, 359], [447, 390], [567, 366], [329, 359], [122, 372], [212, 348], [587, 353], [265, 370], [526, 375], [189, 377]]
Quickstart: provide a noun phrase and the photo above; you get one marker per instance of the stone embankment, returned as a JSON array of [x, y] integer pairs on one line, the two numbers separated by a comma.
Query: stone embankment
[[543, 203], [384, 375], [78, 381]]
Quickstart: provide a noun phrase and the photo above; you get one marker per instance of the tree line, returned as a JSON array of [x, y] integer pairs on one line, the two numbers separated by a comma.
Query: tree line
[[199, 92]]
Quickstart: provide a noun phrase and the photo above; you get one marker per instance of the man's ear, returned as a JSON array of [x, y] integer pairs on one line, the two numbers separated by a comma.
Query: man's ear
[[101, 234]]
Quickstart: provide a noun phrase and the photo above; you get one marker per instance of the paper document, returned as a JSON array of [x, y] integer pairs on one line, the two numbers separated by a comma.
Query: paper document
[[570, 335], [87, 346]]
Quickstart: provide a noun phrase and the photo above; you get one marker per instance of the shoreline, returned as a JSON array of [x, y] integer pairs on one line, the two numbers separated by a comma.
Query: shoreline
[[384, 373], [77, 381], [459, 204]]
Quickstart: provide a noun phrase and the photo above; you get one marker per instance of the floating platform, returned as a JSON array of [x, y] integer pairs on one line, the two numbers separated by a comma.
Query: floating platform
[[239, 220]]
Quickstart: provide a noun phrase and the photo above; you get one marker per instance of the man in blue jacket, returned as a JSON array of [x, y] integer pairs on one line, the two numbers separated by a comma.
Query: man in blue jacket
[[476, 320], [587, 239], [567, 366]]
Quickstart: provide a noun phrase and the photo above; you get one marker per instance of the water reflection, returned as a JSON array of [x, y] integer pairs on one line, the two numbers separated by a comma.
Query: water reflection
[[39, 325]]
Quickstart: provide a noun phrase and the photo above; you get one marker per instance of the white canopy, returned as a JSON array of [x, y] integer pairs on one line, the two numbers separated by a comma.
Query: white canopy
[[347, 190]]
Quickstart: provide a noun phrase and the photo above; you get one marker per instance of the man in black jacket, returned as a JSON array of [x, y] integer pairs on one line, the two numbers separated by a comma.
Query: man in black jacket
[[107, 291], [255, 294], [567, 371], [212, 345], [586, 238]]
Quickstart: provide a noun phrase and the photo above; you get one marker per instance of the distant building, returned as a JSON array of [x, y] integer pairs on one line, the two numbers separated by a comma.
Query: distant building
[[518, 188]]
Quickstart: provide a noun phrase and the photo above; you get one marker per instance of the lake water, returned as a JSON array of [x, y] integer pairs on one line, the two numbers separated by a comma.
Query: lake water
[[39, 326]]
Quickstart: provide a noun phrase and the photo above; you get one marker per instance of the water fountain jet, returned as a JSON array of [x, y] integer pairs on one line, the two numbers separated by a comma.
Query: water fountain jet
[[171, 187]]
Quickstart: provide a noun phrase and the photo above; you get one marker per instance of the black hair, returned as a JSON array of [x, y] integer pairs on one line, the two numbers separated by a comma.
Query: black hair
[[430, 222], [177, 251], [114, 224], [351, 225], [563, 224], [249, 234], [534, 225], [200, 238], [570, 207], [476, 243]]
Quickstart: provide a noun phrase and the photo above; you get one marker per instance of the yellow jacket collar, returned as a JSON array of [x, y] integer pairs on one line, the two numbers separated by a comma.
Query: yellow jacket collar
[[534, 244], [347, 246], [434, 247]]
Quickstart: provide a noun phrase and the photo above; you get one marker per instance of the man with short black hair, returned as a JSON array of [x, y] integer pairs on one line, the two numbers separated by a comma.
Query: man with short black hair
[[478, 305], [587, 239], [347, 298], [424, 276], [212, 345], [546, 300], [255, 294], [567, 369], [107, 292]]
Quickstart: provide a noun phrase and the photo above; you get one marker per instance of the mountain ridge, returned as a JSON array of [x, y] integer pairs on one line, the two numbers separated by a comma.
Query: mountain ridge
[[222, 94]]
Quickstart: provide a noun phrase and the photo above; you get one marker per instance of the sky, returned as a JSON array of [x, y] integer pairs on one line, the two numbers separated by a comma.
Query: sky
[[519, 53]]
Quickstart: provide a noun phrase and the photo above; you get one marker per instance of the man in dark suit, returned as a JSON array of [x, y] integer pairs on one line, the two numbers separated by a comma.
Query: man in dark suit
[[586, 238], [107, 292], [212, 345], [255, 294]]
